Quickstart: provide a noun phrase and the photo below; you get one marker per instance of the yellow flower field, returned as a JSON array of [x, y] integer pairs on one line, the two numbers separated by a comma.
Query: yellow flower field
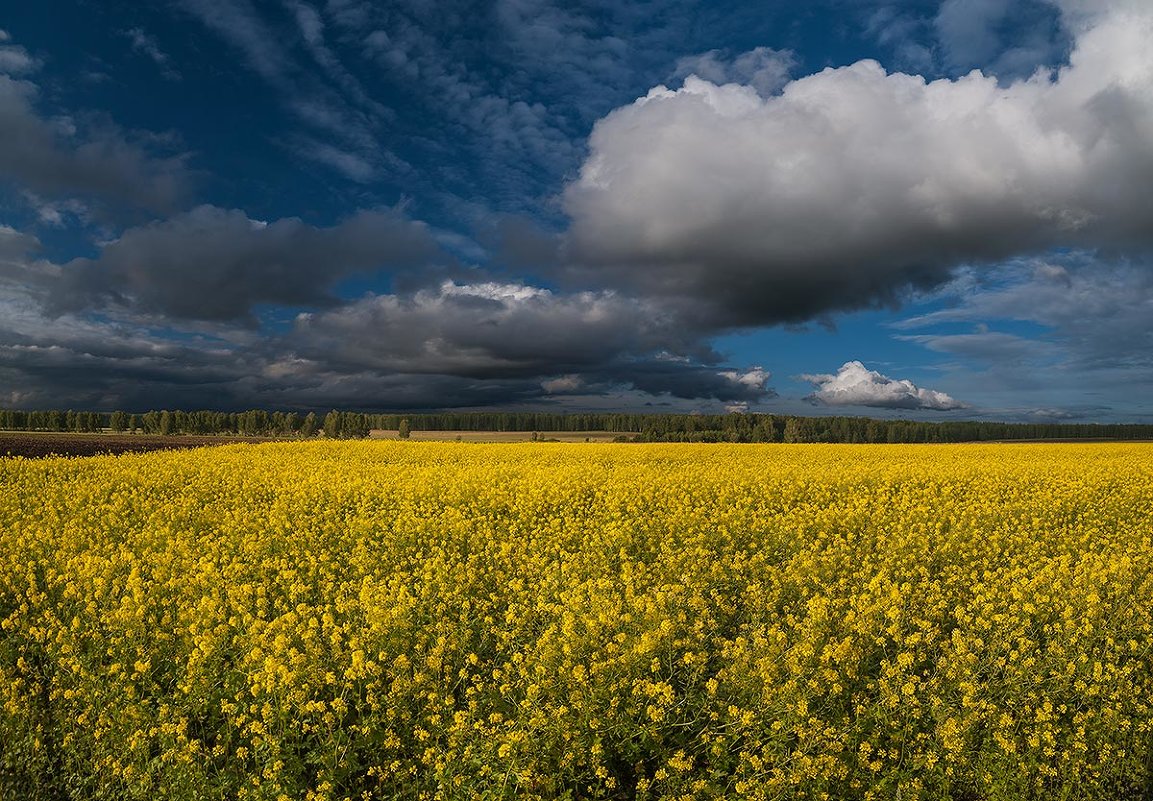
[[330, 620]]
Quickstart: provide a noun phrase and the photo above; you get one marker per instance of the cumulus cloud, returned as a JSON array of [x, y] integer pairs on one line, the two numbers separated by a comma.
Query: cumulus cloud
[[856, 385], [216, 264], [754, 378], [854, 184]]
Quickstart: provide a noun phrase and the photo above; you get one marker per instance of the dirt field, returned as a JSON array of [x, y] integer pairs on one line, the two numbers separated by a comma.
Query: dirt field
[[502, 436], [35, 444]]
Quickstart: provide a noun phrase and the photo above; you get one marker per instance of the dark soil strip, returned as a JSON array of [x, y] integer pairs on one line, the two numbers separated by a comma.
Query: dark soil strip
[[39, 445]]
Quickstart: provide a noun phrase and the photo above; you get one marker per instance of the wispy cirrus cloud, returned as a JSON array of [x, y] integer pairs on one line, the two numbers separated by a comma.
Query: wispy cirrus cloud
[[341, 123], [143, 42]]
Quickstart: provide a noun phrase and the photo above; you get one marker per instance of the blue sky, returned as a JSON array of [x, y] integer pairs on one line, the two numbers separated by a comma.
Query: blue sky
[[937, 210]]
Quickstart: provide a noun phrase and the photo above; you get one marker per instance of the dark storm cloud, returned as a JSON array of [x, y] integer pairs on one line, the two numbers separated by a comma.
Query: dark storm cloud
[[447, 346], [216, 264], [80, 363], [370, 390], [690, 381], [65, 157], [521, 243], [508, 332], [486, 329], [512, 333], [855, 184]]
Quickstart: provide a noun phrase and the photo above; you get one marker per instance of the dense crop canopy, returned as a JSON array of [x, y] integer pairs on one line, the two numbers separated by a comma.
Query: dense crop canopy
[[346, 620]]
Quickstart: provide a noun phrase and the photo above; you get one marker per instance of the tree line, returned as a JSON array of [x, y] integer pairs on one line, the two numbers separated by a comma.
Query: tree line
[[252, 423], [633, 427]]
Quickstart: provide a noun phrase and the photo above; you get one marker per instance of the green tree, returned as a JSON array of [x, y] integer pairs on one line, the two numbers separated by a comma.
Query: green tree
[[308, 427], [792, 430], [403, 430]]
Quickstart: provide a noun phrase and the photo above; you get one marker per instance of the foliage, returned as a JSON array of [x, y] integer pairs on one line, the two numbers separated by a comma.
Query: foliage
[[631, 427], [330, 620]]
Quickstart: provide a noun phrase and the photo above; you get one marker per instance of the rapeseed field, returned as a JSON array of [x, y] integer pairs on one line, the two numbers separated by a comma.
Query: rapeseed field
[[338, 620]]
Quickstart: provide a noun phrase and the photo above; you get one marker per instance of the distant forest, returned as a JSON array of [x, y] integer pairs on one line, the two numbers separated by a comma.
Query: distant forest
[[630, 427]]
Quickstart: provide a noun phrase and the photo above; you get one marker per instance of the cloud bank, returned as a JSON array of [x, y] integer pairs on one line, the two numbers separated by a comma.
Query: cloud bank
[[564, 343], [856, 385], [854, 183], [216, 264]]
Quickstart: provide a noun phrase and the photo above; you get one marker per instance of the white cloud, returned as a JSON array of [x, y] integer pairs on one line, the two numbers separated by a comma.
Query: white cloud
[[754, 377], [490, 290], [856, 385], [855, 183], [562, 385]]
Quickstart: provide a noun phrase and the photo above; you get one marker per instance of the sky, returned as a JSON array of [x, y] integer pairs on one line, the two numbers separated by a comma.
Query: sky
[[929, 209]]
